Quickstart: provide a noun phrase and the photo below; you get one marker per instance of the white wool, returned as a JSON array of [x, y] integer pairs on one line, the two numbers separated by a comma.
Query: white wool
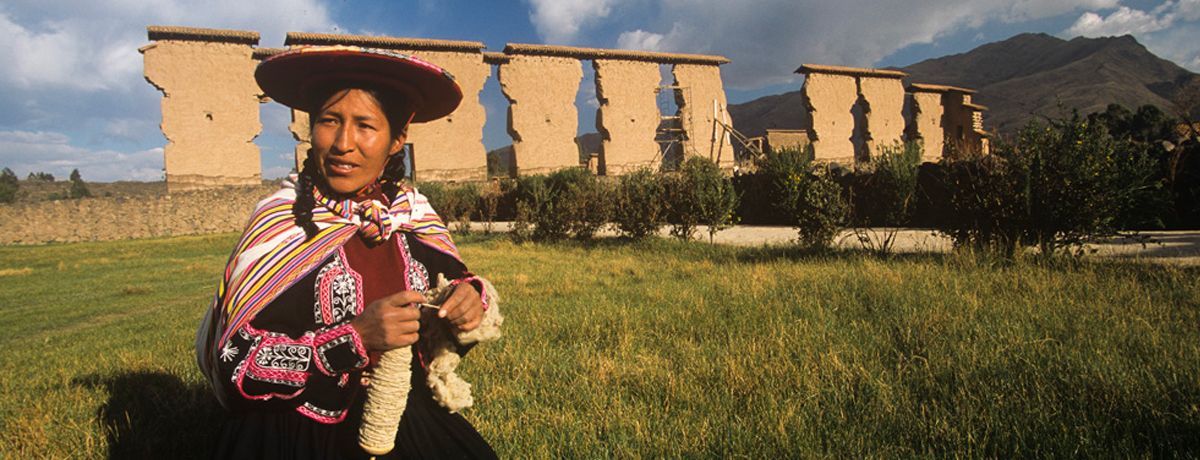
[[388, 393]]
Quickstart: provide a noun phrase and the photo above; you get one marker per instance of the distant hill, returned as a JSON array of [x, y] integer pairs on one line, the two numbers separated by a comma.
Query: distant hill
[[1026, 76]]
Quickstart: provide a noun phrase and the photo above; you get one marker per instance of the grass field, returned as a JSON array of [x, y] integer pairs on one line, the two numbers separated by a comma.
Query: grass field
[[661, 349]]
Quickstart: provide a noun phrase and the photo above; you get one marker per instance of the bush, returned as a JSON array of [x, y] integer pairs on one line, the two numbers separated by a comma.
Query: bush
[[816, 205], [490, 197], [806, 195], [435, 192], [884, 194], [638, 209], [1061, 186], [984, 204], [1081, 180], [566, 202], [699, 194], [450, 203], [460, 202], [9, 185]]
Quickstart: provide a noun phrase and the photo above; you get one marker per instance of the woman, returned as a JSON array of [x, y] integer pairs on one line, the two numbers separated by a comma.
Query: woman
[[329, 270]]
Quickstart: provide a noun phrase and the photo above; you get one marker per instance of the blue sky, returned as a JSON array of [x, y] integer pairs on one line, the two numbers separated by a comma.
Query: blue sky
[[74, 96]]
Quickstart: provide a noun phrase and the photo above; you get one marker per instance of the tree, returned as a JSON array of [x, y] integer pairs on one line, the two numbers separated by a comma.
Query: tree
[[40, 177], [79, 188], [699, 193], [8, 186]]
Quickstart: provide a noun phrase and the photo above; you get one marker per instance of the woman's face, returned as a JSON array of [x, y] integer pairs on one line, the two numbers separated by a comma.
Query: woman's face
[[352, 140]]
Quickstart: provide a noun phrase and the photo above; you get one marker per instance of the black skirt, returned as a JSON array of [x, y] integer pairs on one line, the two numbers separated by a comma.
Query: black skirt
[[426, 430]]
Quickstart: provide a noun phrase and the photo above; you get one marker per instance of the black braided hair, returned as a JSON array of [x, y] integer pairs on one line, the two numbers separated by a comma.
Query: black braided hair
[[393, 174], [305, 201]]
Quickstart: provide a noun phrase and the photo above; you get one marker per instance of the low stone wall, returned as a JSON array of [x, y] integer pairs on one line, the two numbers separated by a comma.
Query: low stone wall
[[116, 218]]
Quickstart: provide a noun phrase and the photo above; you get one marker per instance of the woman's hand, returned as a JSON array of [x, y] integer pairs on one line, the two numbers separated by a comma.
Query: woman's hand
[[390, 322], [464, 309]]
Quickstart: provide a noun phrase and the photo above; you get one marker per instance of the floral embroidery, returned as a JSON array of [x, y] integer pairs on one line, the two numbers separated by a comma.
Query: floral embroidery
[[284, 356], [229, 352], [418, 275], [338, 291]]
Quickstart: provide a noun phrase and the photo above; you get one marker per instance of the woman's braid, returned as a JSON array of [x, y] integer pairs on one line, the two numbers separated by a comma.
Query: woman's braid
[[305, 202]]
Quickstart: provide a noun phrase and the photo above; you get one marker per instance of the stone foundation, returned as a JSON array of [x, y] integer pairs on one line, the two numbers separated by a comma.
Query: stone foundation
[[195, 212]]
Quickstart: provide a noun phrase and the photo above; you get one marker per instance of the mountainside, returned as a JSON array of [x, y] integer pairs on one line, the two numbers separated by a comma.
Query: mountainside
[[1026, 76]]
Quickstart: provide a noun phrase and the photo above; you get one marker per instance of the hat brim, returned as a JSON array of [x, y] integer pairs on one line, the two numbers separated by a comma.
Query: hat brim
[[294, 77]]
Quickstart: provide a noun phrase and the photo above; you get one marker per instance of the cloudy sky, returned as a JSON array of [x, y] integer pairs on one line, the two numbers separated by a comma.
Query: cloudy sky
[[73, 94]]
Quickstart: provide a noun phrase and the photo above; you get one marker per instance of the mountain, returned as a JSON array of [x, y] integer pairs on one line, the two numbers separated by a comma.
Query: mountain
[[1023, 77]]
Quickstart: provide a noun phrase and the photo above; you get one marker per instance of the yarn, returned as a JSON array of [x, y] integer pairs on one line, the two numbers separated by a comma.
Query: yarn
[[387, 396]]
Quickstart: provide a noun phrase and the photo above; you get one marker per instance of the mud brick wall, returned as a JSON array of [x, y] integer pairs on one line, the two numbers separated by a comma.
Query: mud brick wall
[[451, 148], [209, 106], [927, 124], [705, 95], [542, 118], [885, 119], [628, 117], [830, 99]]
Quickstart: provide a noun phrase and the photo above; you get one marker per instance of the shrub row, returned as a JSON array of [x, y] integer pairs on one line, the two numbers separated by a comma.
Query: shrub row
[[577, 204], [1058, 186]]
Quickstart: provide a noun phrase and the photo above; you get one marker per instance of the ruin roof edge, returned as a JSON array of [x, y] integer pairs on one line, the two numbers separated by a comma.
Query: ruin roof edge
[[601, 53], [402, 43], [851, 71], [492, 57], [928, 88], [263, 53], [157, 33]]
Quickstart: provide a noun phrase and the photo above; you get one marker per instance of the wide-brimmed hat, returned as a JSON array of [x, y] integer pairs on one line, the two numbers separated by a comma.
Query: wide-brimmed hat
[[296, 77]]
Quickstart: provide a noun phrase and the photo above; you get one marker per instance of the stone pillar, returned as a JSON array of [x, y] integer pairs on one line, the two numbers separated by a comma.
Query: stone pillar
[[701, 101], [830, 99], [927, 124], [542, 118], [885, 118], [628, 117], [209, 106]]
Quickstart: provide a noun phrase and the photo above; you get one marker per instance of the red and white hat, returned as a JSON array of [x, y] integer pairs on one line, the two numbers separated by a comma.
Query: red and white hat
[[295, 77]]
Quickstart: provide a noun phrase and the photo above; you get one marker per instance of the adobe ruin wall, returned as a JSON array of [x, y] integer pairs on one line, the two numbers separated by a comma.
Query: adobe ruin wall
[[926, 114], [830, 98], [209, 105], [542, 118], [702, 105], [855, 112], [627, 120], [885, 118]]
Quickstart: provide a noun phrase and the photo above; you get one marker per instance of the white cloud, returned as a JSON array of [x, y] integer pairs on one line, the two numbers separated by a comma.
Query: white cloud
[[1169, 30], [768, 39], [640, 40], [70, 47], [559, 21], [52, 152], [72, 77], [1123, 21]]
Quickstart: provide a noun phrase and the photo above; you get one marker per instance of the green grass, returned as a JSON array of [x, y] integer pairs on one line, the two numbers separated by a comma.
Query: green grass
[[661, 349]]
